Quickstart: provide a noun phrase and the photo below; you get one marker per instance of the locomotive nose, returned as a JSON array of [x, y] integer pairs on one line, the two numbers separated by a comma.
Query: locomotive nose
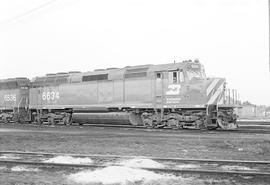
[[214, 89]]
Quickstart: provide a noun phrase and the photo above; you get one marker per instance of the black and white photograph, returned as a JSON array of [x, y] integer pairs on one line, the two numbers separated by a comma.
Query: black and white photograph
[[134, 92]]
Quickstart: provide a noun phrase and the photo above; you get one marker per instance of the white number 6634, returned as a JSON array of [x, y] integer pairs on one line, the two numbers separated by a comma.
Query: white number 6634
[[50, 95]]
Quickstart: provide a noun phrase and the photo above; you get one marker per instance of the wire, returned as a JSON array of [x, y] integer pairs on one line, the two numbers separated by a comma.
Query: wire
[[27, 13]]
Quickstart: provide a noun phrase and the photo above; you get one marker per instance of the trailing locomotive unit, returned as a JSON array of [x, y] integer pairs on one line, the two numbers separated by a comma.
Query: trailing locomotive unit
[[14, 95], [176, 95]]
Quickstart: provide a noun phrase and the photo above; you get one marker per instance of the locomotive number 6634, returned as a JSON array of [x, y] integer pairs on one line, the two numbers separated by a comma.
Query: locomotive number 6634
[[50, 95]]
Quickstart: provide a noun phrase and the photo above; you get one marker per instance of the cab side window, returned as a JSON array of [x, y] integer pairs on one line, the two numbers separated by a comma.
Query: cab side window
[[173, 77], [176, 77], [158, 76]]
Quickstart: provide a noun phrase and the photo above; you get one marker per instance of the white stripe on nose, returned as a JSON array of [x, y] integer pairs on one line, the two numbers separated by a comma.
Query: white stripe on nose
[[216, 94], [211, 86]]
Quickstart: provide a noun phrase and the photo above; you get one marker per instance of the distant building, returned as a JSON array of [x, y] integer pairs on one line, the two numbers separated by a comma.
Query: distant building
[[252, 111]]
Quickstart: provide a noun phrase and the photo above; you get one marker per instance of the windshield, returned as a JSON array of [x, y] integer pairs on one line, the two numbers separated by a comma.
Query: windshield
[[195, 73]]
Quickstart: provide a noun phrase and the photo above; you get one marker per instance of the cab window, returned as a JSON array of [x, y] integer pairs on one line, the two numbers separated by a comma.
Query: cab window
[[172, 77], [195, 72], [158, 76], [175, 77]]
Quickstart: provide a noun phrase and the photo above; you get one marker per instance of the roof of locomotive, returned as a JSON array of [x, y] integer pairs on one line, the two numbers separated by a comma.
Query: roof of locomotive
[[106, 74]]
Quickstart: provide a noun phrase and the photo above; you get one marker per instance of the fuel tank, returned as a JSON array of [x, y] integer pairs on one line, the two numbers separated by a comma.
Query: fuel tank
[[110, 118]]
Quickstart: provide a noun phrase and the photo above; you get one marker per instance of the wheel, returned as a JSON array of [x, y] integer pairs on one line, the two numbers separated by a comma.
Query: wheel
[[5, 120], [67, 121], [51, 120], [225, 125]]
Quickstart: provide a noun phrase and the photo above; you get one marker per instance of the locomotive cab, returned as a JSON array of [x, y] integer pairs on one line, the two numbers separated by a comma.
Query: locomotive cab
[[184, 85]]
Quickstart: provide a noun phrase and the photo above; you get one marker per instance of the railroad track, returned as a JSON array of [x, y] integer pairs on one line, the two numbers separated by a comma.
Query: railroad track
[[241, 129], [167, 165]]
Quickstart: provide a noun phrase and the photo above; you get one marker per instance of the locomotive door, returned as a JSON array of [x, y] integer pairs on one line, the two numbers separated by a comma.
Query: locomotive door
[[159, 88]]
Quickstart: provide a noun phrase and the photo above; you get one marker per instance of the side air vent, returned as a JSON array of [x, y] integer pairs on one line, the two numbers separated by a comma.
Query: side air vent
[[112, 68], [62, 73], [136, 75], [95, 77], [21, 78], [136, 72], [50, 74], [74, 72], [99, 69]]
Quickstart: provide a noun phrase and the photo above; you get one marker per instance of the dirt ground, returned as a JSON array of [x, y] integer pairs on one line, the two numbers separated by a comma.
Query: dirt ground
[[136, 142], [133, 142]]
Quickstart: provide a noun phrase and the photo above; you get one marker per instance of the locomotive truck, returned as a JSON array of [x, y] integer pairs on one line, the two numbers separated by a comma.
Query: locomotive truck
[[175, 95]]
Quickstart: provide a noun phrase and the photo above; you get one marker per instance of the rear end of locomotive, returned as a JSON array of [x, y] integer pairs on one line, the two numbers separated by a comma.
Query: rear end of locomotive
[[191, 100]]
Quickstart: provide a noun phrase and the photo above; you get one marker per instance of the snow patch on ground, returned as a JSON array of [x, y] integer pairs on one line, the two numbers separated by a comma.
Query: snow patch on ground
[[141, 163], [69, 159], [186, 166], [23, 168], [9, 156], [233, 167], [119, 175]]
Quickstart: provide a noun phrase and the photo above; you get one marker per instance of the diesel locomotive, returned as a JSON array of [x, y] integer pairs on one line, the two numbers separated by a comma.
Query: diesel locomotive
[[175, 95]]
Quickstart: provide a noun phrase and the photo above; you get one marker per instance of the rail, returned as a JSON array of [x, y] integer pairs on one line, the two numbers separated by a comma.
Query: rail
[[256, 168]]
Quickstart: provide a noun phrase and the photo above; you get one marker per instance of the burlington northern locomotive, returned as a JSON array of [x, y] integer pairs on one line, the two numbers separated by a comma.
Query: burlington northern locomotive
[[176, 95]]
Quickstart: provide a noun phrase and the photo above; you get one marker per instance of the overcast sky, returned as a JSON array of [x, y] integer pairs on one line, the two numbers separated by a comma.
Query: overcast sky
[[230, 37]]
